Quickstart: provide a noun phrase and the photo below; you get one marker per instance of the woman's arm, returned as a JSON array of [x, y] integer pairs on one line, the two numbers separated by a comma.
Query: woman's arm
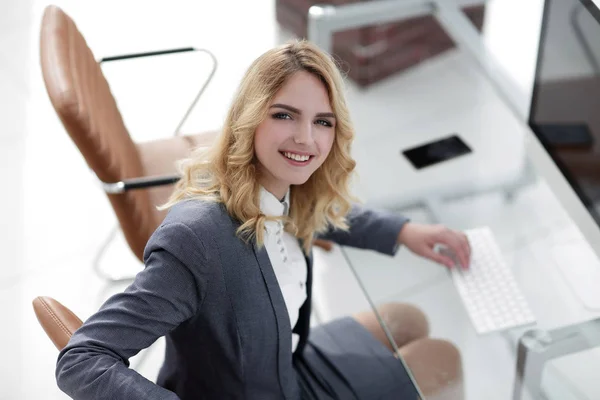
[[369, 229], [94, 364]]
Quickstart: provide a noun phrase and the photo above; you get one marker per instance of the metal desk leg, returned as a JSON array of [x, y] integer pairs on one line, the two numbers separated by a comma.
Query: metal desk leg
[[537, 347]]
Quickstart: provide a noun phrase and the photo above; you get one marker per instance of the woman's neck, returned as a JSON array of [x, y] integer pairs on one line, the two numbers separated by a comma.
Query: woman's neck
[[277, 189]]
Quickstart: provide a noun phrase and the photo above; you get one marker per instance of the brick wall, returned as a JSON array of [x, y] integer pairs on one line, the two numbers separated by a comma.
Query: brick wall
[[373, 53]]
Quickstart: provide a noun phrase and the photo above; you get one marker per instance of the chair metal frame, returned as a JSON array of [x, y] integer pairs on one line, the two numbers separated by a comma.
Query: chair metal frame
[[151, 181]]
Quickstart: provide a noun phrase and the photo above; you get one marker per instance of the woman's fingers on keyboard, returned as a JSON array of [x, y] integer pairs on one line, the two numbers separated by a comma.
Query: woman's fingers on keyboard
[[466, 249], [458, 243], [442, 257]]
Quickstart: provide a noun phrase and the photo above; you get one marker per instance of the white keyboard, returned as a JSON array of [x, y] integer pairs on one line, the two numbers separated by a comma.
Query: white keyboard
[[488, 288]]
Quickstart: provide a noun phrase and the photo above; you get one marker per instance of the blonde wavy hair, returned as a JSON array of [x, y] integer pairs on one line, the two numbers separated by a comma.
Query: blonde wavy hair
[[227, 171]]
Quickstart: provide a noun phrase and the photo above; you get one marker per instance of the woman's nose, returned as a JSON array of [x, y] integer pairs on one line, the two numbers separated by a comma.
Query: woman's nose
[[304, 134]]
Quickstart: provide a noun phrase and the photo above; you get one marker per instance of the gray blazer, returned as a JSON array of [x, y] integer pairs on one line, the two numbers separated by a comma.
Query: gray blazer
[[217, 301]]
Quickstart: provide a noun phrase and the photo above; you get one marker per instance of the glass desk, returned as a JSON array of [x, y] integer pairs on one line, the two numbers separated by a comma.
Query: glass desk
[[508, 183]]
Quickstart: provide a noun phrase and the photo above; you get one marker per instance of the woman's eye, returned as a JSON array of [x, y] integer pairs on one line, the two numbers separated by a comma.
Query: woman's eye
[[282, 116], [324, 122]]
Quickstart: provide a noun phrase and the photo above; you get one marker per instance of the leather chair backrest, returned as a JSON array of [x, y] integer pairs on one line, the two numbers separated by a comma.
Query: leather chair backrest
[[83, 100]]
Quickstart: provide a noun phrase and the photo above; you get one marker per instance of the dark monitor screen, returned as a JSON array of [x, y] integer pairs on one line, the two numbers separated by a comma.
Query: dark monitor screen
[[565, 108]]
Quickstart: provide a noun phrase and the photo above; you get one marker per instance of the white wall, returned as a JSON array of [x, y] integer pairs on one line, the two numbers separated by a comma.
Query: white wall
[[512, 31]]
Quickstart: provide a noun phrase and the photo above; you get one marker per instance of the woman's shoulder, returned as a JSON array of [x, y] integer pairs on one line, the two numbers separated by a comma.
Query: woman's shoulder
[[201, 216], [189, 228]]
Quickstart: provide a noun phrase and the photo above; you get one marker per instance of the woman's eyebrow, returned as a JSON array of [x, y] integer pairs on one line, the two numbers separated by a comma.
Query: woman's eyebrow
[[326, 114], [286, 107], [297, 111]]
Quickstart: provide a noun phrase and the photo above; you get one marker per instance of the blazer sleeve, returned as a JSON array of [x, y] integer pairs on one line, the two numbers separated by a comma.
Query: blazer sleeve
[[369, 229], [94, 364]]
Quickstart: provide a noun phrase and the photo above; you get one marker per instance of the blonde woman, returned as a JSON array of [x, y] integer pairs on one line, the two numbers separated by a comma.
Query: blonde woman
[[228, 274]]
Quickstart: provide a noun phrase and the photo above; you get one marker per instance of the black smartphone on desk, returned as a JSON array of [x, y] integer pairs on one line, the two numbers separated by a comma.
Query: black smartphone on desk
[[437, 151]]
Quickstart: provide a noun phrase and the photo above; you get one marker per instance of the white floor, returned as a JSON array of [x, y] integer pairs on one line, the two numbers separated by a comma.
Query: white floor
[[56, 216]]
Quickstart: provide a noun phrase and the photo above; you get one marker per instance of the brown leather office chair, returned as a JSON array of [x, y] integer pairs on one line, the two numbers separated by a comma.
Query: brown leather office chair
[[83, 100]]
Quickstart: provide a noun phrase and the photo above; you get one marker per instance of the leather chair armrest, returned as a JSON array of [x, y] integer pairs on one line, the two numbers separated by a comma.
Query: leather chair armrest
[[57, 320]]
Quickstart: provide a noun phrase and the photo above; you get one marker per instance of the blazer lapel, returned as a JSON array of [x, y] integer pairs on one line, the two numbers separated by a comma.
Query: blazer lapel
[[302, 328], [284, 330]]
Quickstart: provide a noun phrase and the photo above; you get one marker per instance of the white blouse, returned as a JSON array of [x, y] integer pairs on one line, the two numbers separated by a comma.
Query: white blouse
[[286, 257]]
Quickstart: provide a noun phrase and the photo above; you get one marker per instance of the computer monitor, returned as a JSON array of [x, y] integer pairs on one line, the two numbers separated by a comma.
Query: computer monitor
[[565, 107]]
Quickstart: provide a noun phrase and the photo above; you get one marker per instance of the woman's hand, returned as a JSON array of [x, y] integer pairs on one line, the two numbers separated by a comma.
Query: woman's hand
[[422, 238]]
